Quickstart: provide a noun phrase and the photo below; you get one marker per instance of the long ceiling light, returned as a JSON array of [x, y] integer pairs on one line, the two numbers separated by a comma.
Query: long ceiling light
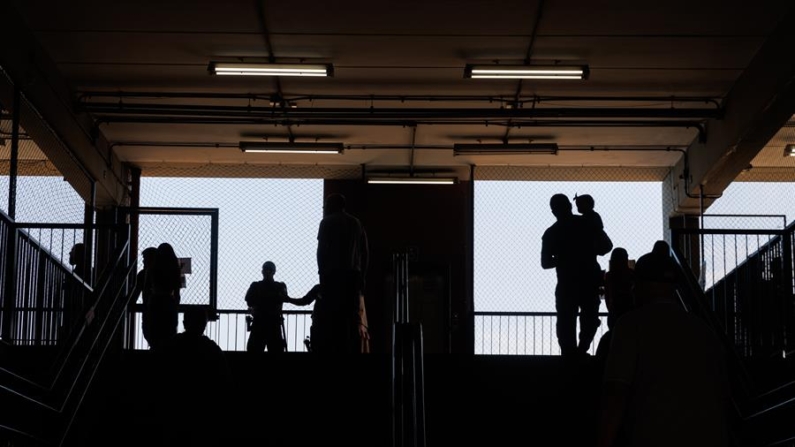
[[233, 69], [505, 149], [789, 150], [525, 72], [291, 148], [411, 180]]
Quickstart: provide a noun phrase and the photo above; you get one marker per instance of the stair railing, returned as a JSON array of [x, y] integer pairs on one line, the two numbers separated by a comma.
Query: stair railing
[[408, 372], [40, 412]]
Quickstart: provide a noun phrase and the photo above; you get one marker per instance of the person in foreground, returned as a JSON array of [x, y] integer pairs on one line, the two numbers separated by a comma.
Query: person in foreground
[[665, 381]]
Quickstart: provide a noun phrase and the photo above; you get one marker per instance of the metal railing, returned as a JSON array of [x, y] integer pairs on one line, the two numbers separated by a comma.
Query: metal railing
[[47, 404], [42, 297], [747, 278], [230, 332], [408, 365], [522, 333]]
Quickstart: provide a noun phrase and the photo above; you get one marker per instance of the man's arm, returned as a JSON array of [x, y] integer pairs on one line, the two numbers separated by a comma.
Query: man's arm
[[251, 295], [547, 259], [308, 299]]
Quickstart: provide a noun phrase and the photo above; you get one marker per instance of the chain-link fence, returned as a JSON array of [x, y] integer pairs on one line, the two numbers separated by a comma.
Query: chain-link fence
[[259, 220], [44, 194], [189, 232], [514, 295]]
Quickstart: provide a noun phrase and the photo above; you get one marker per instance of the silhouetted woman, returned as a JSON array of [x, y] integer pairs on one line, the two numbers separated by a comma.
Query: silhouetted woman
[[164, 283], [618, 286], [618, 295]]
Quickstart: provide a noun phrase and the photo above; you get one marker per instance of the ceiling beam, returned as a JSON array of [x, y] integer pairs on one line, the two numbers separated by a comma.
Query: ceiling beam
[[758, 105], [29, 66]]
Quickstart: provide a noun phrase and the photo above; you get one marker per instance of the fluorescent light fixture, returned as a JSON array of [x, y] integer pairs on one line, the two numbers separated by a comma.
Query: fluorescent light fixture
[[505, 149], [789, 150], [525, 72], [291, 148], [411, 180], [233, 69]]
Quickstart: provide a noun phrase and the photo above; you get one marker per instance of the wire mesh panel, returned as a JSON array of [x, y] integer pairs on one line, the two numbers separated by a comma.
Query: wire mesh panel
[[43, 194], [191, 234], [757, 205], [511, 217], [259, 220], [514, 296]]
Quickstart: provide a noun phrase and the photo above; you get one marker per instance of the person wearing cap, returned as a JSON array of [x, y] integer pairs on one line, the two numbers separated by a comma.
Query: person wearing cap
[[665, 382], [265, 300]]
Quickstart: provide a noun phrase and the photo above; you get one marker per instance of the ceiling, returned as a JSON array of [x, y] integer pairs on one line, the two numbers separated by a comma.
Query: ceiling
[[657, 70]]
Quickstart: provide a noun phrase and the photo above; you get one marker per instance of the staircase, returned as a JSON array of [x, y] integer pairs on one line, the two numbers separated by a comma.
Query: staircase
[[301, 399]]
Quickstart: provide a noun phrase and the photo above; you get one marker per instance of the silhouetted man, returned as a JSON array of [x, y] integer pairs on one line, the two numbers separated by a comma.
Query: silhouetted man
[[665, 383], [342, 265], [568, 247], [265, 299]]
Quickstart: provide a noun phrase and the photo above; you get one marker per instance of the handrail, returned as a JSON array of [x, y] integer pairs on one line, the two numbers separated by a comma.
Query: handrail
[[104, 281], [109, 276], [524, 314], [70, 351], [108, 305], [696, 300], [408, 381]]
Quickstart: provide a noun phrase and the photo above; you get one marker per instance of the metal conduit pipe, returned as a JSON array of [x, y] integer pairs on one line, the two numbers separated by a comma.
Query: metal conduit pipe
[[402, 123], [399, 113], [85, 97]]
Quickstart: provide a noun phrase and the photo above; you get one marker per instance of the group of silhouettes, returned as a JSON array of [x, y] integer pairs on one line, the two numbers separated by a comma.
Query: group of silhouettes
[[339, 318], [665, 379]]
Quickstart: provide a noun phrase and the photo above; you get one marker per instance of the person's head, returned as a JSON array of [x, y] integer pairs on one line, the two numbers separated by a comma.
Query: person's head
[[148, 256], [655, 279], [166, 257], [268, 270], [334, 203], [560, 205], [585, 203], [619, 259], [662, 249], [195, 320], [77, 254]]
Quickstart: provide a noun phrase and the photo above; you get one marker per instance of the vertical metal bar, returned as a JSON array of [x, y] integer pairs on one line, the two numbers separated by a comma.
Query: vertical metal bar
[[10, 293], [14, 162], [88, 234], [39, 315], [786, 292], [214, 262]]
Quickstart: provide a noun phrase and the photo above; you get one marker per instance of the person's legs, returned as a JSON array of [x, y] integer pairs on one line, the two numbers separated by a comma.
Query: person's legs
[[256, 339], [566, 325], [335, 328], [273, 338], [589, 317]]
